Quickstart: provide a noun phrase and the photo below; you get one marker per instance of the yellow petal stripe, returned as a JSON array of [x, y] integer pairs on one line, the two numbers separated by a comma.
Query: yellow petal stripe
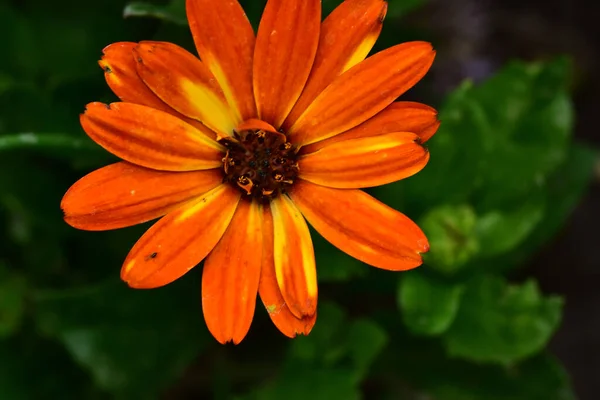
[[294, 258]]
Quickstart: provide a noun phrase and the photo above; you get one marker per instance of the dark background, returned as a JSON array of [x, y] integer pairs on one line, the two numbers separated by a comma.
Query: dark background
[[478, 36], [53, 47]]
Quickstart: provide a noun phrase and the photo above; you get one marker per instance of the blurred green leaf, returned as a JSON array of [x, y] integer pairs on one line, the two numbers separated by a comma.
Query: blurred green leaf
[[559, 197], [499, 231], [529, 117], [333, 264], [564, 190], [12, 302], [34, 368], [365, 341], [452, 239], [134, 343], [79, 151], [431, 374], [502, 323], [174, 11], [331, 362], [31, 206], [36, 27], [456, 150], [498, 141], [428, 305], [48, 141], [20, 56], [399, 8], [6, 82], [541, 378], [254, 10]]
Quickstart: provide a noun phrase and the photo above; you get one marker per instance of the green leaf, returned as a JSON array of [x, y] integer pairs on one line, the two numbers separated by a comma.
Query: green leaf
[[30, 207], [541, 378], [560, 195], [428, 305], [12, 302], [427, 371], [529, 116], [329, 363], [498, 141], [431, 374], [314, 383], [20, 56], [334, 265], [501, 231], [51, 141], [454, 169], [399, 8], [34, 368], [35, 28], [564, 190], [452, 240], [172, 12], [134, 343], [396, 8], [365, 341], [502, 323], [254, 10]]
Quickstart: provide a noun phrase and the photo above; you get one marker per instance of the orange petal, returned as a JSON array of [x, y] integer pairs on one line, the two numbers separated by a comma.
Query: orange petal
[[365, 162], [361, 226], [124, 194], [269, 291], [363, 91], [182, 81], [347, 36], [150, 138], [286, 44], [294, 258], [401, 116], [255, 124], [225, 42], [180, 240], [231, 274], [121, 75]]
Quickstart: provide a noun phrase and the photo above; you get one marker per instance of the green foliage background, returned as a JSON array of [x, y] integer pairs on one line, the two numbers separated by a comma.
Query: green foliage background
[[503, 177]]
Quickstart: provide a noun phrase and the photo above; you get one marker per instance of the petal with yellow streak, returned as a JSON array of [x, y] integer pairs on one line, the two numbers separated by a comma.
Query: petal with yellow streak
[[361, 226], [269, 291], [124, 194], [363, 91], [365, 162], [347, 36], [400, 116], [286, 45], [150, 138], [180, 240], [183, 82], [231, 274], [225, 42], [294, 258], [120, 72], [121, 75]]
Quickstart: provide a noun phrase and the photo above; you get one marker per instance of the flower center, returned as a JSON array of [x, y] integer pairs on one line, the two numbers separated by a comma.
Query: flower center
[[260, 163]]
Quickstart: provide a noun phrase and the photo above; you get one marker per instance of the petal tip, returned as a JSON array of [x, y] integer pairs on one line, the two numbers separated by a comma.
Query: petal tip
[[423, 245], [95, 106], [383, 12], [105, 65]]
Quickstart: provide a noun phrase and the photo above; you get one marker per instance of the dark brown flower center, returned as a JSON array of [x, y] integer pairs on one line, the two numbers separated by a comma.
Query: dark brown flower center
[[260, 163]]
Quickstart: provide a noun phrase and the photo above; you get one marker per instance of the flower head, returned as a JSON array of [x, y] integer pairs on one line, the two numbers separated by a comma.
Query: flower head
[[235, 149]]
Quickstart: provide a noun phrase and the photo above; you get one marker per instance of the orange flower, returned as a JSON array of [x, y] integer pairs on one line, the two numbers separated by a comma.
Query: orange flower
[[236, 148]]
